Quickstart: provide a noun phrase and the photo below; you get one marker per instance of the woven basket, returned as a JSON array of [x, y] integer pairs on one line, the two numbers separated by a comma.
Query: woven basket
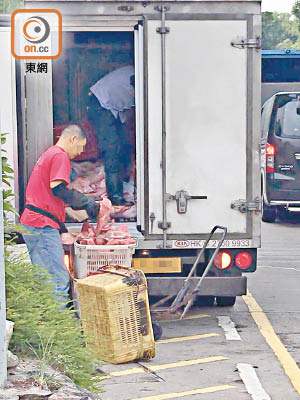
[[115, 314]]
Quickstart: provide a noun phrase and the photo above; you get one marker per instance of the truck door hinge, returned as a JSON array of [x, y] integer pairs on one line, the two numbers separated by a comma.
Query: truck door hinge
[[162, 30], [246, 43], [162, 8], [243, 206]]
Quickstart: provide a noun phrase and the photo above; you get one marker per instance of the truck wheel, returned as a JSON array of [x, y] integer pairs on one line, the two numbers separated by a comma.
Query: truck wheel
[[269, 213], [225, 301], [204, 301]]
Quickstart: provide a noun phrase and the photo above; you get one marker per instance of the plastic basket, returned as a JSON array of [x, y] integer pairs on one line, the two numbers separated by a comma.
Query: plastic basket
[[90, 258], [116, 316]]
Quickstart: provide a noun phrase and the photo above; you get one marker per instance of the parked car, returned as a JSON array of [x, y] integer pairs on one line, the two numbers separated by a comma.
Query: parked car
[[280, 155]]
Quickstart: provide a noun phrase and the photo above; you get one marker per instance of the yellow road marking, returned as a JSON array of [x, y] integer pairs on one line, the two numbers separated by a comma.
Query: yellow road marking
[[211, 389], [184, 338], [196, 316], [289, 365], [153, 368]]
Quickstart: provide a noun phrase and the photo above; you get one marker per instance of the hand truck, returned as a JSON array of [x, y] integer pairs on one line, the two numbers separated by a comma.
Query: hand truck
[[185, 297]]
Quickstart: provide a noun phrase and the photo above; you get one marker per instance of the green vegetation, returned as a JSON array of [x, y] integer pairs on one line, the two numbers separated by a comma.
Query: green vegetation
[[296, 11], [8, 6], [280, 31], [43, 327], [7, 175]]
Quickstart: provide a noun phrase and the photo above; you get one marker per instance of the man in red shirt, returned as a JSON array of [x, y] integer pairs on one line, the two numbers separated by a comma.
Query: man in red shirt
[[46, 196]]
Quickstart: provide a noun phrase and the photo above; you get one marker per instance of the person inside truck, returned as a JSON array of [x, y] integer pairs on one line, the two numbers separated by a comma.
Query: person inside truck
[[111, 108], [46, 197]]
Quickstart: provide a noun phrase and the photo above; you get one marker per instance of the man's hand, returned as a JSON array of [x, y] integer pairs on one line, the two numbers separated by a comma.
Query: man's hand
[[92, 209], [77, 215]]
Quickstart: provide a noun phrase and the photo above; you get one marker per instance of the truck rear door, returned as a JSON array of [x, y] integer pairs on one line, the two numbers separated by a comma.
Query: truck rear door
[[209, 112]]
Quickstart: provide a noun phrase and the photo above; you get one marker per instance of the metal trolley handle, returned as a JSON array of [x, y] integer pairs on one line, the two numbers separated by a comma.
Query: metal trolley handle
[[177, 303]]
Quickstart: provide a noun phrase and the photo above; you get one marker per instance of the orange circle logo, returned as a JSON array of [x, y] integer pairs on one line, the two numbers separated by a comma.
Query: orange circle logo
[[36, 29]]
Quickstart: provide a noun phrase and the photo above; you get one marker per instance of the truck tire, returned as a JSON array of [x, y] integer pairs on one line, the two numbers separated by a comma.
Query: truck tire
[[204, 301], [225, 301], [269, 213]]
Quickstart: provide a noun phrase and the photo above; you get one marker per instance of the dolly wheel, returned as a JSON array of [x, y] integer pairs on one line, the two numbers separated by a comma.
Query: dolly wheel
[[157, 330]]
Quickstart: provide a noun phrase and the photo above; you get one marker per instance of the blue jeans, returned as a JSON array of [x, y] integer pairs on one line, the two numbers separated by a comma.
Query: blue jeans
[[46, 250]]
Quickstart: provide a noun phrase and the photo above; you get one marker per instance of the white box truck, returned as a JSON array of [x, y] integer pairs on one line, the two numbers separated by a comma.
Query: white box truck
[[193, 144]]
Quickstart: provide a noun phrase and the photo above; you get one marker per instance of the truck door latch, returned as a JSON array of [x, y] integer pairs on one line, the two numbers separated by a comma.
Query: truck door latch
[[243, 206], [125, 8], [182, 197], [244, 43]]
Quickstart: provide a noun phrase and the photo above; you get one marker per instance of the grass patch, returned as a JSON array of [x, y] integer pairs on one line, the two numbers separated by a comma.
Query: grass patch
[[42, 328]]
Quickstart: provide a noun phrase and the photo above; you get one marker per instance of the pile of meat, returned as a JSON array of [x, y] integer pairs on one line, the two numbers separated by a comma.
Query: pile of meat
[[105, 232], [90, 180]]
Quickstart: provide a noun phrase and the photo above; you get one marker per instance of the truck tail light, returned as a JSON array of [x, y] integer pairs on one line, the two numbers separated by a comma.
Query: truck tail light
[[270, 158], [67, 262], [243, 260], [223, 260]]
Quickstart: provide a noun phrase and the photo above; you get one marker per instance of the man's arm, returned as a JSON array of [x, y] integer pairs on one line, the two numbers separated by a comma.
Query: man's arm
[[76, 200]]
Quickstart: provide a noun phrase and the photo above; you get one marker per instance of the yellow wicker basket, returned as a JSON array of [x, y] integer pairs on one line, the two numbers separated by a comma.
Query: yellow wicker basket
[[115, 314]]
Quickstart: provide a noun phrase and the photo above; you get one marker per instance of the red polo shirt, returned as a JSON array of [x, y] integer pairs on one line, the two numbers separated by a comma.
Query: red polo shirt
[[54, 164]]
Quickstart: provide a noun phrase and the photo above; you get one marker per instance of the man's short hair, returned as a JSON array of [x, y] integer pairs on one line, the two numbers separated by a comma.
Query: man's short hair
[[74, 130]]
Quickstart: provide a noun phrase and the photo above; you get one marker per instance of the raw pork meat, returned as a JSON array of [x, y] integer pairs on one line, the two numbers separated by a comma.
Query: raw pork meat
[[104, 215], [90, 180], [105, 234]]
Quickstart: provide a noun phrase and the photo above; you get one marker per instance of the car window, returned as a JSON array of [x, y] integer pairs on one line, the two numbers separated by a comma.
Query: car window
[[287, 121], [266, 111]]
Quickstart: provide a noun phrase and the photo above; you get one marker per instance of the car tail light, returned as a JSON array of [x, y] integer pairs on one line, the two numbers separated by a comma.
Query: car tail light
[[270, 158], [223, 260], [67, 262], [243, 260]]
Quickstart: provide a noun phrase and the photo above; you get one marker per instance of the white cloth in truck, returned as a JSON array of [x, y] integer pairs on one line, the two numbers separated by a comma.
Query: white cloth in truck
[[114, 91]]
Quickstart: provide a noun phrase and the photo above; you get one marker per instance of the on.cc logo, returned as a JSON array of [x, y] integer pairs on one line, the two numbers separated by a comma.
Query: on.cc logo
[[36, 29]]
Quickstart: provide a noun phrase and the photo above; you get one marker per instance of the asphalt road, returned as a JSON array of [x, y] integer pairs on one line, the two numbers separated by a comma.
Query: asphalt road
[[204, 363]]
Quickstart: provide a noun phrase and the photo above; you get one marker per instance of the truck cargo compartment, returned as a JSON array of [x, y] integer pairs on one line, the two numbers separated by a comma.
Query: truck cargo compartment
[[107, 164]]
